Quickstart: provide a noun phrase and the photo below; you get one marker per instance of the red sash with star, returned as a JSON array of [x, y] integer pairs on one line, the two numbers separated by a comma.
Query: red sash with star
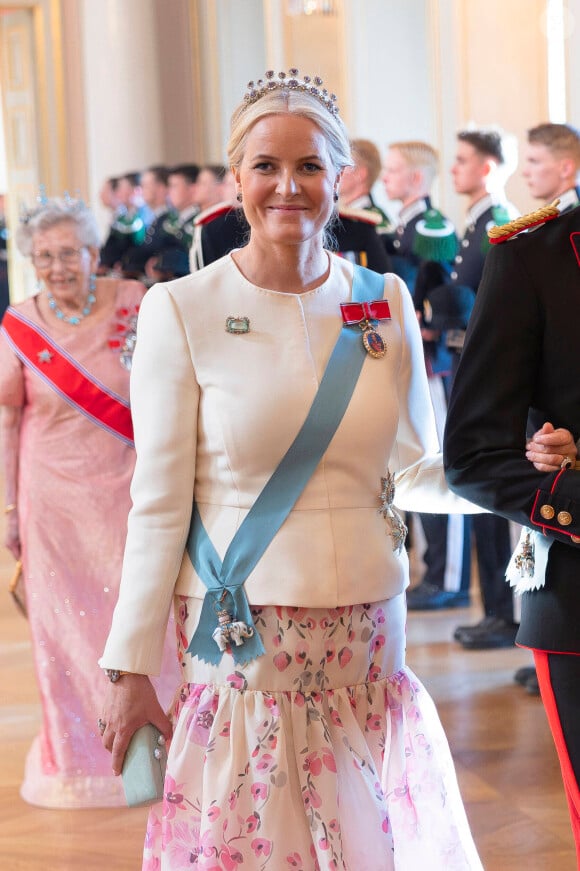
[[67, 377]]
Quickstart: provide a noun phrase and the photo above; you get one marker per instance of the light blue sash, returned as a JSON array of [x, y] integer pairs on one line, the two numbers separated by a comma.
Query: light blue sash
[[224, 580]]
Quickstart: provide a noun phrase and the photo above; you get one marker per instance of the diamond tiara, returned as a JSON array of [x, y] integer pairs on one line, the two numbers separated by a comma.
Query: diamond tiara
[[66, 203], [290, 82]]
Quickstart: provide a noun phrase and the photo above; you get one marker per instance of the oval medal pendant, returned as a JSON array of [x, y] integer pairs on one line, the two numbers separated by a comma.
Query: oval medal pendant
[[374, 343]]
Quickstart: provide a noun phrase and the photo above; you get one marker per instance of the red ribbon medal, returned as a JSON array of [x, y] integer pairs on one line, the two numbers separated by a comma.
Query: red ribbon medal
[[363, 314]]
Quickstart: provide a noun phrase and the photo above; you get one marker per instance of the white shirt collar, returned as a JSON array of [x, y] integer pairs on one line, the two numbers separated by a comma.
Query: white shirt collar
[[568, 199]]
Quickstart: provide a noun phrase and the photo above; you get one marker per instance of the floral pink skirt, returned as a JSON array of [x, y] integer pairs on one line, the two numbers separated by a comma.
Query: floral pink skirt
[[326, 753]]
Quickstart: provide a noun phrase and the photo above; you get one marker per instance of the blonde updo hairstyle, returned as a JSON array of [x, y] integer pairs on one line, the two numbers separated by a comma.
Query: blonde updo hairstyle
[[51, 214], [281, 102]]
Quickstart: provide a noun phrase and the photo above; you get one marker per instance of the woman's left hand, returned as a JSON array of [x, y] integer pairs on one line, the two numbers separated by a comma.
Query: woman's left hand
[[549, 447], [130, 703]]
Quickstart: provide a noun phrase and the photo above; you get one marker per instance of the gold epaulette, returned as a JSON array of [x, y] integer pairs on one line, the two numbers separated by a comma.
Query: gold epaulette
[[367, 216], [533, 219]]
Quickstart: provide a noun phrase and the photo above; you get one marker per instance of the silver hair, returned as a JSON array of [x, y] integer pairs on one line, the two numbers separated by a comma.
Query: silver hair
[[50, 214]]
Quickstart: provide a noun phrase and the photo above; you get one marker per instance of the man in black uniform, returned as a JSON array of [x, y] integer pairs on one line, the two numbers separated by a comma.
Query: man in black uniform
[[479, 173], [520, 363]]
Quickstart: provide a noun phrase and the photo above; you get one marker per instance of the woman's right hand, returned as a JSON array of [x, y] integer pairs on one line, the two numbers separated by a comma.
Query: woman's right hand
[[130, 703], [12, 539]]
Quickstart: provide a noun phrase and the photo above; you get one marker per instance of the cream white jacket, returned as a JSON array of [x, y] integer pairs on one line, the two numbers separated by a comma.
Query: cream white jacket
[[214, 413]]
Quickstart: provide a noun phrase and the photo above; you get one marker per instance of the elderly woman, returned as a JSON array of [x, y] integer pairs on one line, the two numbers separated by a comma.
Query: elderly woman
[[279, 396], [68, 454]]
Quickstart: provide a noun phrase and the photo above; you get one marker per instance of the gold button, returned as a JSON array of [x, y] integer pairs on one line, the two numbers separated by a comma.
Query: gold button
[[575, 539], [547, 512], [564, 518]]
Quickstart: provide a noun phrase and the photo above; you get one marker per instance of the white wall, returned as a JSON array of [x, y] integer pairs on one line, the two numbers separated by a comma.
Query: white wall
[[122, 94]]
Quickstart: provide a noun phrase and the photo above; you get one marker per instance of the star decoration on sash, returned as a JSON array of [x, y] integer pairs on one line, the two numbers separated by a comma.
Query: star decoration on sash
[[397, 529], [44, 356]]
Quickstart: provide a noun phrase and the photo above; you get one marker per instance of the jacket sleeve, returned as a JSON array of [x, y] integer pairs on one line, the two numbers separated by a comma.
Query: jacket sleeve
[[495, 388], [164, 403], [416, 461]]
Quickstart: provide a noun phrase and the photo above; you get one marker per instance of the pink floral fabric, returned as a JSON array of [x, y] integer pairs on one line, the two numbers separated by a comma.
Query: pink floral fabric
[[314, 756]]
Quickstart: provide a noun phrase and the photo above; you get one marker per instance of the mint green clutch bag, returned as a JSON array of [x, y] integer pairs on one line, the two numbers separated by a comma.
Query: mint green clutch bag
[[144, 767]]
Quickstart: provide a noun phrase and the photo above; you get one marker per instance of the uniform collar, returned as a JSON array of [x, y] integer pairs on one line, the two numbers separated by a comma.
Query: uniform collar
[[568, 199], [187, 214], [478, 209], [413, 210], [363, 202]]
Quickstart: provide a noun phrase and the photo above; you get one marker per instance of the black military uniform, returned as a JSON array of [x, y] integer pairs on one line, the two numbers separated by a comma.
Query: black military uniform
[[519, 369], [127, 230], [354, 231], [173, 259], [156, 239], [492, 534]]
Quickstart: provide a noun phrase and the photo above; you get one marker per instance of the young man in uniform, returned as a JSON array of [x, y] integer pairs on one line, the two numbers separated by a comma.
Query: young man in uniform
[[137, 260], [173, 258], [358, 180], [129, 222], [409, 172], [479, 173], [551, 167], [552, 164], [519, 372]]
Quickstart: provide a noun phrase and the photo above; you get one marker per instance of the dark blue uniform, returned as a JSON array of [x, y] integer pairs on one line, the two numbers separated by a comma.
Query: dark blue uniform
[[492, 533]]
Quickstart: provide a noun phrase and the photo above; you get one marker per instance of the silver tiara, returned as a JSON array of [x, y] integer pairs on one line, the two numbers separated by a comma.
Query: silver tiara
[[290, 82], [66, 203]]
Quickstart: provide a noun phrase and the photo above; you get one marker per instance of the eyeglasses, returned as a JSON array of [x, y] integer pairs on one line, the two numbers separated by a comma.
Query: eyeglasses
[[68, 256]]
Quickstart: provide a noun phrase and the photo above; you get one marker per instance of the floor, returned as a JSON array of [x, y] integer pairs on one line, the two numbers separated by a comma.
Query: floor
[[505, 760]]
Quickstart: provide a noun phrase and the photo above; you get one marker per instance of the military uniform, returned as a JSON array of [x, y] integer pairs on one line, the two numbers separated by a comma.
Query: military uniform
[[491, 533], [226, 228], [156, 238], [520, 364], [127, 230], [401, 242], [173, 261], [216, 231], [569, 200], [468, 264], [366, 202], [447, 558]]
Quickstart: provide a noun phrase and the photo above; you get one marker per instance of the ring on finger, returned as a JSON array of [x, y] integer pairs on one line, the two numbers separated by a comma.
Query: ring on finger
[[101, 725]]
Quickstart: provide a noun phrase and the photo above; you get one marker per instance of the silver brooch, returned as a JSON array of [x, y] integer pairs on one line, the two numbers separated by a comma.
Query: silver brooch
[[237, 325], [397, 529]]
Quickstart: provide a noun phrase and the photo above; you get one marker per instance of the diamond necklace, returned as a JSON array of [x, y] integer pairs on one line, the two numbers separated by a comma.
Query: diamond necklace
[[75, 319]]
